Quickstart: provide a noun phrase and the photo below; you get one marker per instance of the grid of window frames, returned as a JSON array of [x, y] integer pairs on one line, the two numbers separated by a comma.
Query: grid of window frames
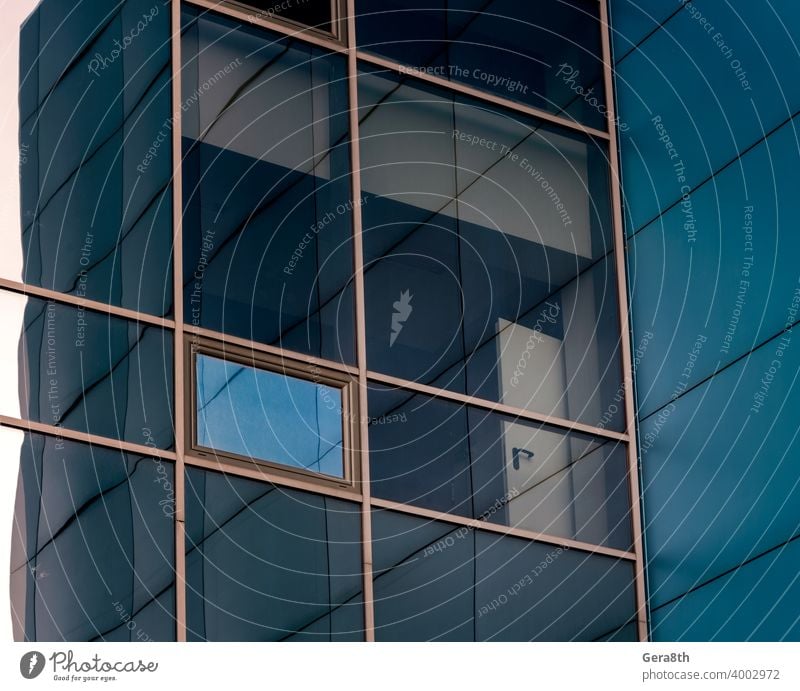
[[390, 334]]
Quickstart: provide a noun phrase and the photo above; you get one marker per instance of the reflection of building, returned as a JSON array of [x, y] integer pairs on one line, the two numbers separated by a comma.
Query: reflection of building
[[323, 344]]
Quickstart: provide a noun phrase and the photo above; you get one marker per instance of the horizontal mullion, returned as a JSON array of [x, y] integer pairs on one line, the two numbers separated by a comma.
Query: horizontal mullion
[[493, 406], [475, 524], [84, 303], [91, 439], [483, 96]]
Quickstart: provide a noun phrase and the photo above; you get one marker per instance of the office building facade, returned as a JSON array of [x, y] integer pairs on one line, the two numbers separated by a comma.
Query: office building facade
[[325, 326]]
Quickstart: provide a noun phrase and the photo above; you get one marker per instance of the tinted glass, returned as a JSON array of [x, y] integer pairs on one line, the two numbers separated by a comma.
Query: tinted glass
[[435, 581], [484, 241], [93, 543], [443, 456], [315, 13], [267, 563], [544, 54], [87, 371], [95, 155], [267, 234], [268, 416]]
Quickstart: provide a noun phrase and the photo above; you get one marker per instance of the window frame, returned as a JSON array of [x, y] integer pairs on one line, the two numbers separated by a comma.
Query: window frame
[[338, 18], [282, 365]]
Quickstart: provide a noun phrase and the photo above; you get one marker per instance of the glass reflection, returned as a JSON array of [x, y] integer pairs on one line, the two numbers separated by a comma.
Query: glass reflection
[[545, 54], [93, 543], [96, 202], [266, 563], [443, 456], [268, 416], [488, 264], [267, 235], [435, 581], [87, 371]]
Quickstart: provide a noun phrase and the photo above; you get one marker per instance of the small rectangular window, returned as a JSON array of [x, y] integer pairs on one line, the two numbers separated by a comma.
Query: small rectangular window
[[250, 407]]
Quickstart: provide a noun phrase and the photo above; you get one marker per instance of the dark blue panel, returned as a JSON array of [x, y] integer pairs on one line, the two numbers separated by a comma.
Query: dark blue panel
[[443, 456], [486, 261], [529, 591], [756, 602], [266, 563], [94, 373], [695, 95], [545, 54], [100, 552], [632, 20], [267, 237], [707, 302], [96, 222], [435, 581], [720, 469]]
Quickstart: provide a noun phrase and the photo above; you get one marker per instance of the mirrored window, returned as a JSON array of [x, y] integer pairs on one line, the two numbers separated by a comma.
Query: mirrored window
[[267, 563], [447, 457], [488, 253], [545, 54], [267, 234], [318, 14]]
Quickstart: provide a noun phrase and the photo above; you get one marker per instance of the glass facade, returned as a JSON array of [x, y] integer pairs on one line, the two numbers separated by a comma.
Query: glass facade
[[329, 324]]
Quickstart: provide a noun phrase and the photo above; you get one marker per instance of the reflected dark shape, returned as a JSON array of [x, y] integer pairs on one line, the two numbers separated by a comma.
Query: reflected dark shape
[[436, 581], [266, 563], [488, 256], [93, 544], [96, 158], [268, 416], [443, 456], [94, 373], [546, 54], [313, 13], [268, 234]]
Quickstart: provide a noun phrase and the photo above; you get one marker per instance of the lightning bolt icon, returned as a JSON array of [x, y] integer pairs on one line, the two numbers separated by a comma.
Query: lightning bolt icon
[[32, 662]]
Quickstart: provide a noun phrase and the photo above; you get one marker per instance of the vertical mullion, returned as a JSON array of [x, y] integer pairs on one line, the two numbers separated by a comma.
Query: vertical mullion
[[624, 320], [178, 350], [361, 338]]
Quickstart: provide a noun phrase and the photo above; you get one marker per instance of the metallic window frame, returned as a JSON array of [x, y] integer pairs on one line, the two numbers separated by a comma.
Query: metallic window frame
[[283, 365]]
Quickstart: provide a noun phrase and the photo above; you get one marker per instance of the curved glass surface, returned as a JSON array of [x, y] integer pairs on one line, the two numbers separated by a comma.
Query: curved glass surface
[[267, 563], [93, 543]]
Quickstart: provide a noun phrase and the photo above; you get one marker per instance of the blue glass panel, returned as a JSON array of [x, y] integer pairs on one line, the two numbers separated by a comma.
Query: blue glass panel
[[446, 457], [268, 416], [93, 545], [88, 371], [267, 563], [720, 470], [697, 94], [268, 215], [314, 13], [632, 20], [435, 581], [545, 54], [698, 306], [529, 591], [96, 202], [487, 265], [755, 602]]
